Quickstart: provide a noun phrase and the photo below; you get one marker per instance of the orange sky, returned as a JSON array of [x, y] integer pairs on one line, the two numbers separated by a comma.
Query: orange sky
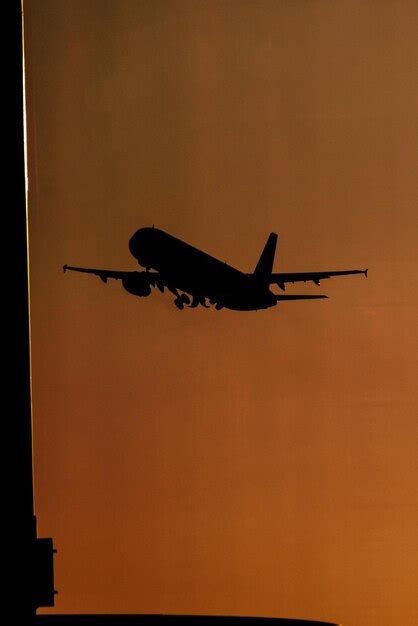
[[221, 462]]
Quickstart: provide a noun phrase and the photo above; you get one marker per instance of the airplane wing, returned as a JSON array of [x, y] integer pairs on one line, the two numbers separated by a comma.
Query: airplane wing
[[102, 274], [151, 278], [293, 297], [281, 279]]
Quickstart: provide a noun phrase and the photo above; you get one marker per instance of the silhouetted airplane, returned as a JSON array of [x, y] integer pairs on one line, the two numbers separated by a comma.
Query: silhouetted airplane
[[199, 277]]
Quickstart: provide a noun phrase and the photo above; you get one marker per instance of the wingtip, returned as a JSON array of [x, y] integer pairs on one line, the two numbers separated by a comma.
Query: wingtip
[[64, 268], [365, 272]]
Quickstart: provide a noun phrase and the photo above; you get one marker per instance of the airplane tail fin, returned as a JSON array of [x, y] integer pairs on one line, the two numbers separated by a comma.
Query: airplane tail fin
[[264, 266]]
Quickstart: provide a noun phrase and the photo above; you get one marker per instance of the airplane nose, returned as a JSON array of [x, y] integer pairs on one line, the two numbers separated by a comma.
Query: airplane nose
[[133, 244], [140, 242]]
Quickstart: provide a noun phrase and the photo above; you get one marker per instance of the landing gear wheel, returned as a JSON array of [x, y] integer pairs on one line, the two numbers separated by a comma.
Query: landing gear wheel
[[179, 304]]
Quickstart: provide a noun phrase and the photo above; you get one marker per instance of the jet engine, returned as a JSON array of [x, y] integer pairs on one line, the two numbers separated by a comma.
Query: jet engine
[[136, 285]]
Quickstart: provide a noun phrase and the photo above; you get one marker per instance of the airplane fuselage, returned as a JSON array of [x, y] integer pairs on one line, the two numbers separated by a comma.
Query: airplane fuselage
[[197, 273]]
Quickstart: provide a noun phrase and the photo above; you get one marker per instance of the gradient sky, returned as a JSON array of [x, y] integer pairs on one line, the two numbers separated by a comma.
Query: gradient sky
[[221, 462]]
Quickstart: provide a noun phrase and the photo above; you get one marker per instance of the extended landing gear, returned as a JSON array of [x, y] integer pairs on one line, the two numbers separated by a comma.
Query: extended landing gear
[[218, 305], [181, 299], [199, 300]]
